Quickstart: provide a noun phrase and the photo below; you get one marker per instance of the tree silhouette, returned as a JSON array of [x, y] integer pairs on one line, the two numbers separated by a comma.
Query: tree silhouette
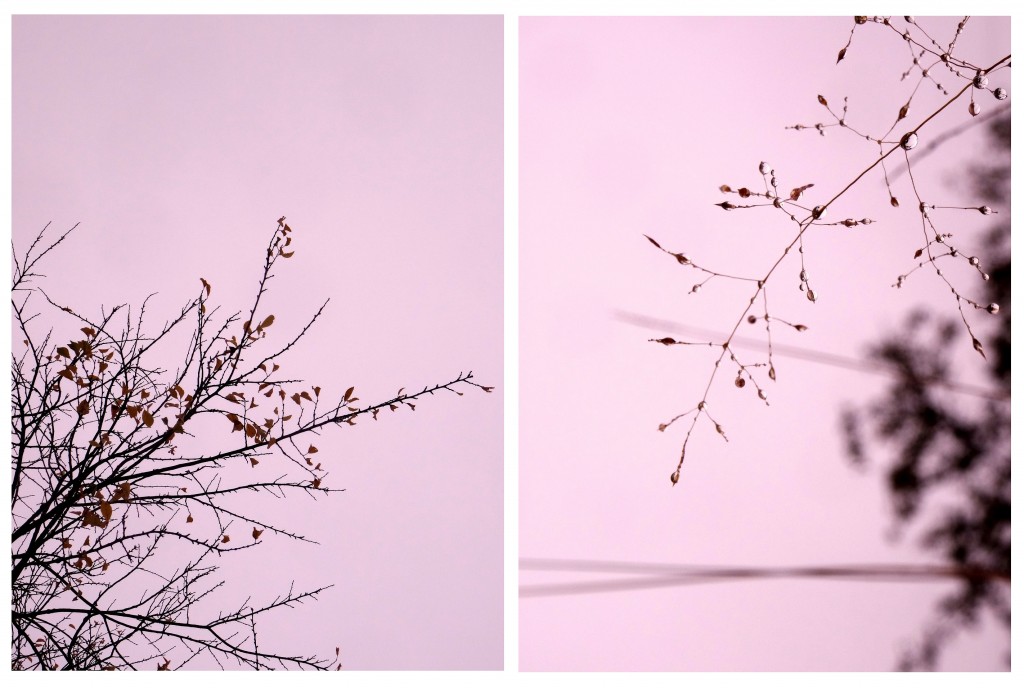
[[941, 443], [130, 480]]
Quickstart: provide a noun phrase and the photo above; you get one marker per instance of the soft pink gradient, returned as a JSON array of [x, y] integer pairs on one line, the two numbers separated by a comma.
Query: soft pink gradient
[[628, 126], [177, 142]]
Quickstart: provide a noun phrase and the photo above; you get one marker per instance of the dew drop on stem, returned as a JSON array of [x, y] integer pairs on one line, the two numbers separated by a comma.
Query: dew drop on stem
[[909, 141]]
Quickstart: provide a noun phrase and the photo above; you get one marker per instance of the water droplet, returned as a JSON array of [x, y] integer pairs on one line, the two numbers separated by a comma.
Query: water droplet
[[683, 258], [1000, 93], [818, 212], [740, 382], [953, 252], [906, 36], [675, 477], [974, 261], [980, 81], [861, 20], [984, 276], [764, 168], [909, 20], [811, 296], [803, 275], [923, 207], [909, 141], [803, 287], [777, 202], [702, 405], [762, 395], [751, 319], [696, 288], [760, 283], [944, 57], [974, 109], [985, 210], [774, 182], [993, 308], [939, 239]]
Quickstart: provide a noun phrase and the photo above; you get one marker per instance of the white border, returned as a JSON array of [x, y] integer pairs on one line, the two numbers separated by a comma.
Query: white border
[[512, 10]]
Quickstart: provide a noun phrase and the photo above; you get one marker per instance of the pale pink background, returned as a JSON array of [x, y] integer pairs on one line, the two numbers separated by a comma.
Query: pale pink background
[[628, 126], [177, 142]]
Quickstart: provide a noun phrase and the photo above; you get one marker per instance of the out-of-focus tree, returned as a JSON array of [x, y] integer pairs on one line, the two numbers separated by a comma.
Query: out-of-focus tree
[[947, 446], [130, 480]]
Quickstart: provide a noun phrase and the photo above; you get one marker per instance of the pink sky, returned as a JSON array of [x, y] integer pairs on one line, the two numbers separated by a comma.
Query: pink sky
[[628, 126], [177, 142]]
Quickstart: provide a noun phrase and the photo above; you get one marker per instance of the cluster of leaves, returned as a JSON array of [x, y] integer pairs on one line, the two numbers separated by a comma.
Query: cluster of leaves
[[943, 443], [927, 56], [127, 486]]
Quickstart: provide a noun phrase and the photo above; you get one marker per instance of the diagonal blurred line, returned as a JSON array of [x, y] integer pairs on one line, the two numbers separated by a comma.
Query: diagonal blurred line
[[619, 585], [951, 134], [824, 358], [647, 575]]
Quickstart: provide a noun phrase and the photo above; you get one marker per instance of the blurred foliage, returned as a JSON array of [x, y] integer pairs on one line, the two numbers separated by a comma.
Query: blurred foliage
[[946, 447]]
